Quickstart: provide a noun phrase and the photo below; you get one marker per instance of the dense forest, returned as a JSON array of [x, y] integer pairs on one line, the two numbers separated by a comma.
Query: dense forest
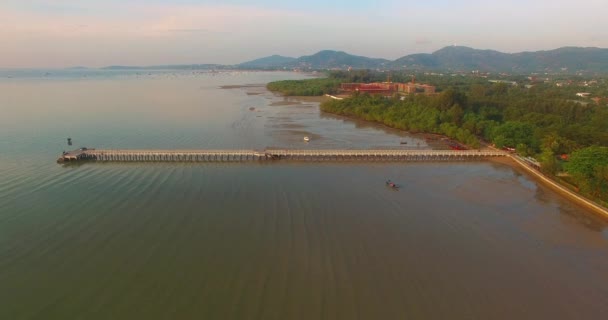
[[308, 87], [542, 120]]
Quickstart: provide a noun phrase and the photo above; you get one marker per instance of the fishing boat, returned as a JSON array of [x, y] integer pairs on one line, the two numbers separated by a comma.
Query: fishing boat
[[391, 184]]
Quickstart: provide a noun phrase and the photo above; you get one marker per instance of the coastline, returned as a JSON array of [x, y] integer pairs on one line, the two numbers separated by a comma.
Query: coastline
[[423, 135], [514, 162]]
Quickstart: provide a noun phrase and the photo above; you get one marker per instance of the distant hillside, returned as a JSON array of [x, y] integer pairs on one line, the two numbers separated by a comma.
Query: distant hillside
[[455, 58], [328, 59], [570, 59], [267, 62], [567, 59]]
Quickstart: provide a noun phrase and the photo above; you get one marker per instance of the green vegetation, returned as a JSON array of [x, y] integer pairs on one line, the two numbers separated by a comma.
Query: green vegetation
[[531, 120], [589, 169], [538, 121], [414, 113], [308, 87], [322, 86]]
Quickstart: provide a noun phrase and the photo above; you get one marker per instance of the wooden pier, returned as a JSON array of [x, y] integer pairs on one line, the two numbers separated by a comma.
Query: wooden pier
[[108, 155]]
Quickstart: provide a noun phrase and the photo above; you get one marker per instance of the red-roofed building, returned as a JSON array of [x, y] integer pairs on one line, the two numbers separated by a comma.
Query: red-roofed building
[[387, 88]]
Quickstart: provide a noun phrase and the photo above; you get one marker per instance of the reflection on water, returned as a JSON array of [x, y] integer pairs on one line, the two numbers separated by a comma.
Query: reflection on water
[[267, 240], [572, 214]]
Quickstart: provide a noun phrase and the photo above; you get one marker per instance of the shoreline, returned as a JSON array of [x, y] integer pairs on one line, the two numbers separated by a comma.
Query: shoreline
[[513, 162], [423, 135], [581, 200]]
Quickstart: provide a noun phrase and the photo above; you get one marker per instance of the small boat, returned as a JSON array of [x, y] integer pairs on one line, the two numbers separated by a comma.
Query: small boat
[[391, 184], [403, 142], [306, 139]]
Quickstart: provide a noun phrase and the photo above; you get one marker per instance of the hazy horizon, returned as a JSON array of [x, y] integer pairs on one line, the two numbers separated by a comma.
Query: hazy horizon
[[66, 33]]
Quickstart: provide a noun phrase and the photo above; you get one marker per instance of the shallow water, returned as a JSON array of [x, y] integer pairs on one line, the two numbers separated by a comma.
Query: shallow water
[[281, 240]]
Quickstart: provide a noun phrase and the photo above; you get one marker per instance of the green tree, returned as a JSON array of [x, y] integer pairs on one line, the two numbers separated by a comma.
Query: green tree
[[451, 97], [548, 162], [588, 167], [513, 133]]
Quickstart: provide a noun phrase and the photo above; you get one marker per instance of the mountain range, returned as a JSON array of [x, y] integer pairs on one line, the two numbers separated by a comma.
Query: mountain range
[[325, 59], [455, 58]]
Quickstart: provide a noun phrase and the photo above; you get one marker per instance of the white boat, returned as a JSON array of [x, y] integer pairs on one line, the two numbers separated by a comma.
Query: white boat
[[306, 139]]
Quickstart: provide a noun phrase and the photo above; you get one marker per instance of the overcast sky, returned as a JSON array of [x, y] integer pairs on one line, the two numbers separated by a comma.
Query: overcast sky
[[61, 33]]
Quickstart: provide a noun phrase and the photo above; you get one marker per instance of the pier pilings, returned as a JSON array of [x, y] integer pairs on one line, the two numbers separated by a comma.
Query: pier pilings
[[324, 155]]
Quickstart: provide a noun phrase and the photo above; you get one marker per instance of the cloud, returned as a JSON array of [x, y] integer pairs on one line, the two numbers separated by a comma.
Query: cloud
[[70, 32], [140, 34]]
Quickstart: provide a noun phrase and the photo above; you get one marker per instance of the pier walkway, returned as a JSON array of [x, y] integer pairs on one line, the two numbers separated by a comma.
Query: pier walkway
[[274, 154]]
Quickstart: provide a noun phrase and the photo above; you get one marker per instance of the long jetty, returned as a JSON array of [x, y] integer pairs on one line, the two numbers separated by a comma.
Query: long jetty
[[109, 155]]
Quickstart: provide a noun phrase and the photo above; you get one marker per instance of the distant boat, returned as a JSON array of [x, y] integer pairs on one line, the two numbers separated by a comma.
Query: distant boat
[[392, 185], [403, 142], [306, 139]]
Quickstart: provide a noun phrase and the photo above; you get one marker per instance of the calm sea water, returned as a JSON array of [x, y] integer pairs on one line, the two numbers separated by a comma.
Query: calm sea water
[[271, 240]]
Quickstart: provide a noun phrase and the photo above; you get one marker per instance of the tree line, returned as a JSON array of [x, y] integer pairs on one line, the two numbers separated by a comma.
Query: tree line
[[307, 87], [534, 121], [539, 120]]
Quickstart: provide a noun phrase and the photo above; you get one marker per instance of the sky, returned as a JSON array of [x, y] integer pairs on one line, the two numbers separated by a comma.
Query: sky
[[95, 33]]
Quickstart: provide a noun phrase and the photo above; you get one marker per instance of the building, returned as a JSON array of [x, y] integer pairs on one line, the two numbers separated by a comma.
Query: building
[[428, 89], [388, 88], [385, 88], [513, 83], [406, 87]]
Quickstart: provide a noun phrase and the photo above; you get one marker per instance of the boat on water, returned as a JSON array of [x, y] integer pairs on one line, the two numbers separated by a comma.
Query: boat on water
[[391, 185], [306, 139], [403, 142]]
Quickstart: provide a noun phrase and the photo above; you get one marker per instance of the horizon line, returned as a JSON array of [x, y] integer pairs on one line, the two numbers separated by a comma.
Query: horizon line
[[275, 54]]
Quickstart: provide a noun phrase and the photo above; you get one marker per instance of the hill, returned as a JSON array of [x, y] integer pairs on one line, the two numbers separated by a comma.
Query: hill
[[328, 59], [268, 62], [455, 58], [567, 59]]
